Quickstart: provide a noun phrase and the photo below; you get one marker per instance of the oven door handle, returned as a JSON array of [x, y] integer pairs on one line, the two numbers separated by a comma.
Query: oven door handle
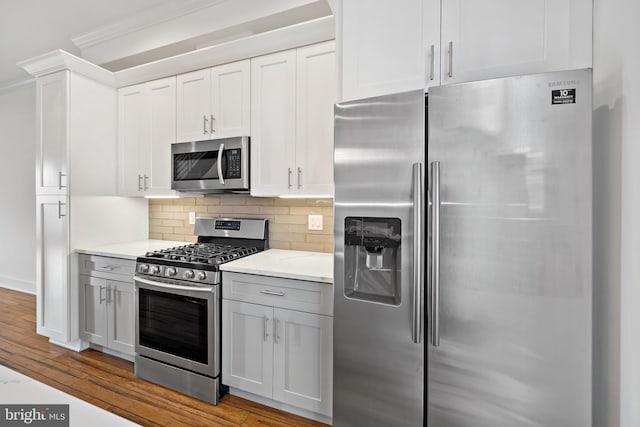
[[174, 287], [219, 164]]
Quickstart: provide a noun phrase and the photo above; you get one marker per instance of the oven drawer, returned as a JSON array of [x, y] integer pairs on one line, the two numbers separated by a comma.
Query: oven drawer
[[107, 267], [300, 295]]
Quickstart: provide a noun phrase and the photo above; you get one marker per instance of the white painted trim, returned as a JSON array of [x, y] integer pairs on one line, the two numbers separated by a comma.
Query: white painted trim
[[20, 285], [77, 345], [282, 406], [293, 36], [152, 16], [111, 352], [15, 85], [59, 60]]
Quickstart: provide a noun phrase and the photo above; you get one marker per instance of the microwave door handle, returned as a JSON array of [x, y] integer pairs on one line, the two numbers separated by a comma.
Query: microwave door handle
[[220, 177]]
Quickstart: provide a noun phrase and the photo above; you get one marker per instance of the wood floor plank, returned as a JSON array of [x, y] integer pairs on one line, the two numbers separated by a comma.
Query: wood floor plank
[[110, 383]]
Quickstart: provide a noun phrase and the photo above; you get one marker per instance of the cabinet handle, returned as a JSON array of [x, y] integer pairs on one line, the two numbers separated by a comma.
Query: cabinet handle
[[289, 177], [450, 59], [299, 177], [146, 183], [106, 268], [60, 175], [266, 328], [102, 288], [109, 289], [204, 124], [268, 292], [60, 205], [139, 182], [276, 335], [211, 124], [432, 56]]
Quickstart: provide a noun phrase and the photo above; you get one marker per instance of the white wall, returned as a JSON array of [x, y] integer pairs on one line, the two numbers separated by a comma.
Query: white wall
[[617, 213], [17, 188]]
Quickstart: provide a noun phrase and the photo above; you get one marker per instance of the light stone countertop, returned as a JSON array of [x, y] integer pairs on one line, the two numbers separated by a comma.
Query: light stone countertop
[[300, 265], [19, 389], [129, 250]]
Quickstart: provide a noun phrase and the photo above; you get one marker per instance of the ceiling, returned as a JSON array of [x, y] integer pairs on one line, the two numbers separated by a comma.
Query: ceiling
[[32, 27], [29, 28]]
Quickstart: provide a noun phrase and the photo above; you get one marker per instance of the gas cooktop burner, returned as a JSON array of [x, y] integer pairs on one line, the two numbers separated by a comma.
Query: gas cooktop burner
[[202, 253]]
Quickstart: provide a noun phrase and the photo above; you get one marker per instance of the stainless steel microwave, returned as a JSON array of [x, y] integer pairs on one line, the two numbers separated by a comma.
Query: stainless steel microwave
[[211, 166]]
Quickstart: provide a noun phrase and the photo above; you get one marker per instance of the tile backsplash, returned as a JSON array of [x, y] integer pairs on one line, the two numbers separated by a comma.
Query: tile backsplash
[[288, 218]]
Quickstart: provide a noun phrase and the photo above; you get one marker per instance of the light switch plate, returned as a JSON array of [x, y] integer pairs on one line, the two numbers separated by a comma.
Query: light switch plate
[[315, 222], [192, 218]]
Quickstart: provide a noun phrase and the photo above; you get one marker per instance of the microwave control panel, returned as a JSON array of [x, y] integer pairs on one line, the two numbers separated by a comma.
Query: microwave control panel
[[234, 164]]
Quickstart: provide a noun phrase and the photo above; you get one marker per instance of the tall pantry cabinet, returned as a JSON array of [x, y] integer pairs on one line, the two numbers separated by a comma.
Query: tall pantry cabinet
[[76, 187]]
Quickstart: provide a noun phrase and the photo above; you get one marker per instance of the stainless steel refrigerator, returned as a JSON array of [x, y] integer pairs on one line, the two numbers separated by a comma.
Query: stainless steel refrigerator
[[463, 280]]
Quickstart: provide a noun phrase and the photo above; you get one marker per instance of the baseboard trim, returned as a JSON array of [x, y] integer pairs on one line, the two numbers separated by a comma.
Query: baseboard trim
[[111, 352], [282, 406], [78, 345], [18, 285]]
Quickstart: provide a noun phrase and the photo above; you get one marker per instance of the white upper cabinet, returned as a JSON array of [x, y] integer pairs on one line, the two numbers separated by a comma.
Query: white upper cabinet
[[214, 103], [498, 38], [230, 100], [315, 97], [388, 47], [52, 101], [273, 115], [76, 151], [292, 99], [147, 128]]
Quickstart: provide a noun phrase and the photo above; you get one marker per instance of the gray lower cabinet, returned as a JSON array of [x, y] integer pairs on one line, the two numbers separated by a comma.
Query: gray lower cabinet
[[277, 339], [107, 302]]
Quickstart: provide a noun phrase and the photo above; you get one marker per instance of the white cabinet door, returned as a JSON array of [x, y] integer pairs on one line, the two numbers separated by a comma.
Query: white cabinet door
[[231, 100], [52, 264], [497, 38], [273, 98], [134, 139], [247, 347], [52, 113], [121, 320], [381, 48], [303, 360], [93, 314], [315, 96], [194, 106], [162, 104]]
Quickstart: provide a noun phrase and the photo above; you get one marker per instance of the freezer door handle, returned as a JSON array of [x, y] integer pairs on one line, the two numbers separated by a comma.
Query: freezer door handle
[[418, 257], [435, 254]]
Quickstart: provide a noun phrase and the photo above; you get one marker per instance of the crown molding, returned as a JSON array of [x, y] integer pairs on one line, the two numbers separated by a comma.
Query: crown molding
[[15, 85], [309, 32], [59, 60], [137, 22]]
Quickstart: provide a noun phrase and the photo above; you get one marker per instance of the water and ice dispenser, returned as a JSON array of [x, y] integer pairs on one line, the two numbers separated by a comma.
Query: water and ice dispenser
[[372, 259]]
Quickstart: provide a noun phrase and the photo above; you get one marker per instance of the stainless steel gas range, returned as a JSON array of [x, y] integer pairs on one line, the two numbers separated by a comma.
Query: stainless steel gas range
[[178, 305]]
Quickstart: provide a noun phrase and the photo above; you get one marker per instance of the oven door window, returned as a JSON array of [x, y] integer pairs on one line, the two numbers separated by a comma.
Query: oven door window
[[198, 166], [174, 324]]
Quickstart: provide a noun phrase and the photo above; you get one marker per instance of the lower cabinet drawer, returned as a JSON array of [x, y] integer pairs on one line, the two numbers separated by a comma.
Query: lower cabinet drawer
[[310, 297], [106, 267]]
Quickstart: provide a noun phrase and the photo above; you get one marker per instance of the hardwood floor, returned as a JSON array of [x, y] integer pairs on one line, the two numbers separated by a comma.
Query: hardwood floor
[[109, 383]]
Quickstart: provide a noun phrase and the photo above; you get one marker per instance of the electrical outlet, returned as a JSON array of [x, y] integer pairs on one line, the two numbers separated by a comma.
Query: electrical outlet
[[192, 218], [315, 222]]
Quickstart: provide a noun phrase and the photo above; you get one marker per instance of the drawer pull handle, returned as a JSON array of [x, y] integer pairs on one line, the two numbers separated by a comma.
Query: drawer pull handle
[[267, 292], [106, 268]]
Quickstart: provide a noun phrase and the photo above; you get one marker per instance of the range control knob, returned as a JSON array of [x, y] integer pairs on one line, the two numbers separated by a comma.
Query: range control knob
[[155, 269], [170, 271], [202, 275], [189, 274], [143, 268]]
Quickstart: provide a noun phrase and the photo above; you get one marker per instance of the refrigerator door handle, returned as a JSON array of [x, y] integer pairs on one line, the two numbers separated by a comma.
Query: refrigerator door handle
[[418, 256], [435, 254]]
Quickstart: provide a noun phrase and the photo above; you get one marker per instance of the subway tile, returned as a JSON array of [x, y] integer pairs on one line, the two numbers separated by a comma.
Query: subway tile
[[162, 229], [319, 238], [290, 237], [155, 236], [290, 202], [186, 230], [233, 199], [279, 244], [291, 219], [172, 223], [275, 210], [301, 246], [319, 202], [207, 200], [161, 215], [260, 201]]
